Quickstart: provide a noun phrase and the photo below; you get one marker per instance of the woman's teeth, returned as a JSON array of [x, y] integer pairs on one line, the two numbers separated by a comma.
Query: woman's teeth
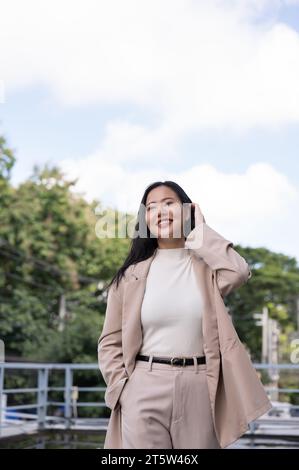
[[164, 223]]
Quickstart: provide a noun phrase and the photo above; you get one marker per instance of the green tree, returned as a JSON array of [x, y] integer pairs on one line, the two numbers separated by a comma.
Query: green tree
[[275, 284], [48, 249]]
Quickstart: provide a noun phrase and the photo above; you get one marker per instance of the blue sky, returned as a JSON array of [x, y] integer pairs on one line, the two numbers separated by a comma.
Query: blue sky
[[41, 130], [205, 93]]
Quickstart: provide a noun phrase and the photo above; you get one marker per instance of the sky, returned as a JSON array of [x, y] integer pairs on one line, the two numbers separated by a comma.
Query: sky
[[121, 94]]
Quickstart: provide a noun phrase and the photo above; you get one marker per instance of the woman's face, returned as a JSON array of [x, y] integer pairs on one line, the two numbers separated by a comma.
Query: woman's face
[[164, 213]]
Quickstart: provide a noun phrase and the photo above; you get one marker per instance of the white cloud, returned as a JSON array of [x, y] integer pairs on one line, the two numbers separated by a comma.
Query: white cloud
[[193, 64], [256, 208], [1, 91], [186, 65], [124, 141]]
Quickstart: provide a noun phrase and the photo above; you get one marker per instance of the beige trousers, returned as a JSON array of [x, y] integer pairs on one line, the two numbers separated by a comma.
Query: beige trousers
[[167, 407]]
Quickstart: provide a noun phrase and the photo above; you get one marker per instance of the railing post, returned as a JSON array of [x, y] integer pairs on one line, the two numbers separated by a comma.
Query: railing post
[[68, 396], [253, 426], [1, 395], [42, 399]]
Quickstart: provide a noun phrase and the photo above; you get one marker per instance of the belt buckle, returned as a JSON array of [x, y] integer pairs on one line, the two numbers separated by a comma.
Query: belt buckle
[[174, 358]]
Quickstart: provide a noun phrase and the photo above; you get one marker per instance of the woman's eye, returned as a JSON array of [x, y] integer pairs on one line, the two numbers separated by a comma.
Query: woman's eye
[[154, 207]]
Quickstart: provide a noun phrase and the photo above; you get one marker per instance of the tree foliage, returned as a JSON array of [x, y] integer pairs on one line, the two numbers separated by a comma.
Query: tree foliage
[[49, 251]]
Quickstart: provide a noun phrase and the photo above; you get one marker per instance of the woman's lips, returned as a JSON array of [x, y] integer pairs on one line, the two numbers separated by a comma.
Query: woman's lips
[[164, 223]]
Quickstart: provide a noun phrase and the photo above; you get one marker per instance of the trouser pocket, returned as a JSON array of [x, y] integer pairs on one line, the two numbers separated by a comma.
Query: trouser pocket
[[122, 397]]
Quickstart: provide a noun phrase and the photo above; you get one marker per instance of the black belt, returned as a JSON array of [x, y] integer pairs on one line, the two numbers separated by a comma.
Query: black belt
[[174, 361]]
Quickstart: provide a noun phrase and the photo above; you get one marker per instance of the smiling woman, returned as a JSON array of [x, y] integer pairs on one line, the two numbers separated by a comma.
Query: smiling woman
[[164, 217], [162, 201], [177, 374]]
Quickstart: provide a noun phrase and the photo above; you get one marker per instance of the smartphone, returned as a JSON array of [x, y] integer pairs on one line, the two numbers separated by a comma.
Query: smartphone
[[192, 217]]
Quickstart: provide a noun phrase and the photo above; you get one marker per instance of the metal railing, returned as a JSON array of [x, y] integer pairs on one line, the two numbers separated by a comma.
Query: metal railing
[[42, 401], [71, 393]]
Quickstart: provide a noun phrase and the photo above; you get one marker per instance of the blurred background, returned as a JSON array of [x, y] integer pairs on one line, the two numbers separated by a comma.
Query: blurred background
[[98, 100]]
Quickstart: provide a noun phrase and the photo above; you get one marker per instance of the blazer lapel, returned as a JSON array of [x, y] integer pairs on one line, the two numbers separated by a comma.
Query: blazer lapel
[[204, 277], [134, 290]]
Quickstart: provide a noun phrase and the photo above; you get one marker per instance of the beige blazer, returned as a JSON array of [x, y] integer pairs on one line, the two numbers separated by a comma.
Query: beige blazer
[[237, 395]]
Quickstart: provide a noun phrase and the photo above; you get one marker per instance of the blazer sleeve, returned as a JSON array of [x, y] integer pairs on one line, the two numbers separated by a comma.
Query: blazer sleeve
[[230, 268], [110, 353]]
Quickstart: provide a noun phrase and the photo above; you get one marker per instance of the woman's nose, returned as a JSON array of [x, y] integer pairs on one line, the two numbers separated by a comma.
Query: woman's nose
[[163, 211]]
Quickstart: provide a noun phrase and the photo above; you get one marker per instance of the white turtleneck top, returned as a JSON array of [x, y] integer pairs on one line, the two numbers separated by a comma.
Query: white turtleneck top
[[171, 311]]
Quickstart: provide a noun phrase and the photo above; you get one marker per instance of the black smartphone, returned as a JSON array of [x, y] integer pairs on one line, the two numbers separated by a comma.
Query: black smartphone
[[190, 224], [192, 217]]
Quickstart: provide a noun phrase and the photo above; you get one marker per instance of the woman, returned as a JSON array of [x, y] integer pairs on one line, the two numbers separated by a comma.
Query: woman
[[177, 374]]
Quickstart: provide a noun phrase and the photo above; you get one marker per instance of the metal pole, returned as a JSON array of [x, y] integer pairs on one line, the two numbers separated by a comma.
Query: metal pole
[[1, 394], [68, 396], [273, 355], [42, 397], [265, 343]]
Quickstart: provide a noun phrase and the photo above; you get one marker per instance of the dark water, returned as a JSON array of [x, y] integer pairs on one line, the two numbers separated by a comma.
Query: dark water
[[95, 440], [56, 440]]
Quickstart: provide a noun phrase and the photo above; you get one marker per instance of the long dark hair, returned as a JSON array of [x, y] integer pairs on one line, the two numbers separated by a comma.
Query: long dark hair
[[143, 247]]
